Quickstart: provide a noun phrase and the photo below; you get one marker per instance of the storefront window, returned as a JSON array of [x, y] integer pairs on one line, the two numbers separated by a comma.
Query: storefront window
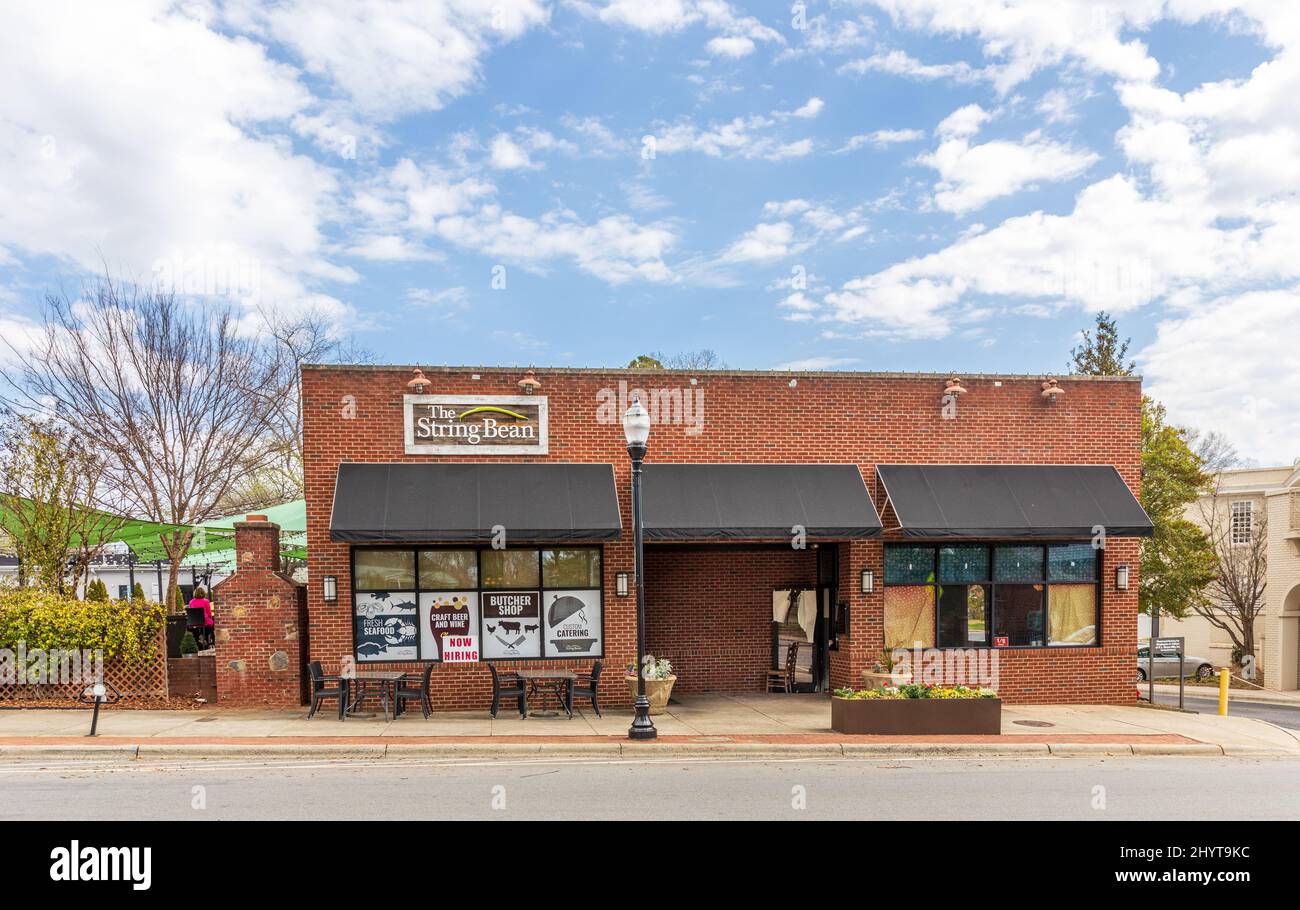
[[1072, 614], [510, 568], [448, 569], [907, 565], [1018, 615], [384, 570], [571, 568], [963, 616], [1071, 562], [1017, 563], [964, 563], [909, 616]]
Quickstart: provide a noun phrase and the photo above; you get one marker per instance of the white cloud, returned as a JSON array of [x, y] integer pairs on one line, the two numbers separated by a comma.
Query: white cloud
[[899, 63], [972, 176], [965, 121], [1222, 366], [879, 139], [507, 155], [743, 137], [733, 46], [814, 364], [764, 243], [443, 300], [810, 109], [736, 34]]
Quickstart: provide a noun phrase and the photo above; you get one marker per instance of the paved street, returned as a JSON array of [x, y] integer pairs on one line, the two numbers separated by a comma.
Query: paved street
[[1283, 715], [1185, 787]]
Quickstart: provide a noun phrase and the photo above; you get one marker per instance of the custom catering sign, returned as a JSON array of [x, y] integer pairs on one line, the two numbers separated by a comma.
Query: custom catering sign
[[475, 424]]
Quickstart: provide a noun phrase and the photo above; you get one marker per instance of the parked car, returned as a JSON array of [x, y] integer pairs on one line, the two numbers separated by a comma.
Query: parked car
[[1167, 665]]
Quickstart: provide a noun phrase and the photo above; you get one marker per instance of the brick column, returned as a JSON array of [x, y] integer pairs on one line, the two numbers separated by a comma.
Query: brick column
[[256, 613]]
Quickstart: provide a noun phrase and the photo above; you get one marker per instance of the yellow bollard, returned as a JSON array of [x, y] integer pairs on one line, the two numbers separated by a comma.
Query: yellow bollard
[[1223, 691]]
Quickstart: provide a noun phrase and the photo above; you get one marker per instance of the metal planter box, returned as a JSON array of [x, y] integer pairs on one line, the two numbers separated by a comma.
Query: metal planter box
[[916, 716]]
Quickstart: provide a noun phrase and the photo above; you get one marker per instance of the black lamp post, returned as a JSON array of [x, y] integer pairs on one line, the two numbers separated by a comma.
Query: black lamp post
[[636, 429]]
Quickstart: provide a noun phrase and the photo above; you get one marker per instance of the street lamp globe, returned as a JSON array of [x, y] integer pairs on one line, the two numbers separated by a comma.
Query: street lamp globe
[[636, 424]]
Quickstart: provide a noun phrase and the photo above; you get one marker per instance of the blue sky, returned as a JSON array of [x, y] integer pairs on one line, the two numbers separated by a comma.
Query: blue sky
[[886, 185]]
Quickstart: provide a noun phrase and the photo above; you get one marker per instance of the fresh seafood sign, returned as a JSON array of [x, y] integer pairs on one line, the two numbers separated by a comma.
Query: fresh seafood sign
[[512, 624], [386, 626], [486, 425], [573, 624]]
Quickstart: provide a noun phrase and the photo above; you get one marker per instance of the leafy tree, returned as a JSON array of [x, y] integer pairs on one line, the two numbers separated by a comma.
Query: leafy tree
[[1177, 561], [1102, 353], [137, 591], [645, 362], [703, 359]]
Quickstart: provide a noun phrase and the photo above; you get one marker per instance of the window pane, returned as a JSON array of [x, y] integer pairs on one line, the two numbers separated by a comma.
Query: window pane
[[1072, 614], [1018, 614], [909, 616], [509, 568], [448, 569], [964, 562], [963, 616], [571, 568], [908, 565], [1018, 564], [384, 569], [1072, 562]]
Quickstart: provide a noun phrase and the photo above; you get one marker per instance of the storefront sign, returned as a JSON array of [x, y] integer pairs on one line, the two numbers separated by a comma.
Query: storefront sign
[[1001, 641], [512, 624], [446, 613], [385, 623], [481, 425], [459, 649], [572, 624]]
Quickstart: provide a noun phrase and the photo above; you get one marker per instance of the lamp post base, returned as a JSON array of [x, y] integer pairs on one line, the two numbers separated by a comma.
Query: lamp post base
[[642, 726]]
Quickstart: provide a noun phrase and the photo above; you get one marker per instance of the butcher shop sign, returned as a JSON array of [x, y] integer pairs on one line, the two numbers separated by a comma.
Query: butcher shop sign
[[480, 425]]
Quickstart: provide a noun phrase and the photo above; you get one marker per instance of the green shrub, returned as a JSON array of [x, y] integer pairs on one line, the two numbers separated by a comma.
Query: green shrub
[[125, 630], [97, 591], [188, 644], [137, 591]]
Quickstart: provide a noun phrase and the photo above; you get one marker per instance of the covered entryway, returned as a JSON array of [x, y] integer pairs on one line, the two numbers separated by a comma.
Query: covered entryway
[[742, 569]]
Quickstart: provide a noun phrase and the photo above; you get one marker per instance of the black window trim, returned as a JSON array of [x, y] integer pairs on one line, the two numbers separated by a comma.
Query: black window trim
[[935, 582]]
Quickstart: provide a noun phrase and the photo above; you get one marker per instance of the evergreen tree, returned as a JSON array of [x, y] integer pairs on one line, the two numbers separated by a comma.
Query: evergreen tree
[[1102, 353]]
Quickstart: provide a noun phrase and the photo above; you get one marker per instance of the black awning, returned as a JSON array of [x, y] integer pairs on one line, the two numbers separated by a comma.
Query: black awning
[[430, 502], [1011, 500], [719, 501]]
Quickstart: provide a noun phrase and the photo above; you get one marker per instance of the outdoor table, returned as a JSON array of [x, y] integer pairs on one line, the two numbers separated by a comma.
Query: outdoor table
[[384, 679], [548, 681]]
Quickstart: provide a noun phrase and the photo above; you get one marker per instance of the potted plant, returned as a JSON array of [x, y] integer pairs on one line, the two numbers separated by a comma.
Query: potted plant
[[882, 672], [916, 708], [189, 647], [659, 681]]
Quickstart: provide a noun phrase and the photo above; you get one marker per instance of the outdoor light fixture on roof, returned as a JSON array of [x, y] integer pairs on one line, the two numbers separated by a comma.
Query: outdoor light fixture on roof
[[953, 387], [1052, 391], [418, 382], [529, 383]]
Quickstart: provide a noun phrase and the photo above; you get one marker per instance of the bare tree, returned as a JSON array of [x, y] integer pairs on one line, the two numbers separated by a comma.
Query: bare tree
[[309, 337], [172, 396], [1234, 597], [1216, 451]]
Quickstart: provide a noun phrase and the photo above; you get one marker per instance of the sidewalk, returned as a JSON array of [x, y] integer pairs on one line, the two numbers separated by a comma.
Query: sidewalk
[[712, 725]]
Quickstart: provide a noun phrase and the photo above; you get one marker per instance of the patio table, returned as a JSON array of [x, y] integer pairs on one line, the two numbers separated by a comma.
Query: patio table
[[548, 681], [384, 680]]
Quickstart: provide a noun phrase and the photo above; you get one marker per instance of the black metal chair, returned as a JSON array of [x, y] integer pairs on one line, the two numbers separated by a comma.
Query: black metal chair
[[407, 693], [321, 691], [585, 686], [195, 624], [511, 685]]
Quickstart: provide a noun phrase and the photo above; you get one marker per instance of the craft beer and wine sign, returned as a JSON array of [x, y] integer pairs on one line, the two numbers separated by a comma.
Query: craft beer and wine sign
[[481, 424]]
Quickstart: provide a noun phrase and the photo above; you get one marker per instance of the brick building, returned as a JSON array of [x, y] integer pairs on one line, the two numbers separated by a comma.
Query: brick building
[[757, 484]]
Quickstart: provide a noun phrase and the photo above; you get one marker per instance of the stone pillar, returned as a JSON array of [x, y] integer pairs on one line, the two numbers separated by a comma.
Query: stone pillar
[[256, 614]]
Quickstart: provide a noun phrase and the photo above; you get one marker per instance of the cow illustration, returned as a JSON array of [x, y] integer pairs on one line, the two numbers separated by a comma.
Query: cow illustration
[[506, 625], [530, 628]]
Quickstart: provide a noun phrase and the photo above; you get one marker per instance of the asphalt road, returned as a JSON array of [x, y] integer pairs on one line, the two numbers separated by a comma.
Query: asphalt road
[[1283, 715], [1184, 788]]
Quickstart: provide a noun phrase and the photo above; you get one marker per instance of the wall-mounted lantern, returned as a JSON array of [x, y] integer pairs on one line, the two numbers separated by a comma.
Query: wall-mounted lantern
[[329, 589], [868, 581], [1052, 391], [417, 383], [529, 383], [953, 387], [1121, 577], [620, 584]]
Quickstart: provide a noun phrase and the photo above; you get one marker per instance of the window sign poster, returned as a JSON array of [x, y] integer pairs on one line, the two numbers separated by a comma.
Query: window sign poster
[[444, 613], [572, 627], [386, 625], [512, 624]]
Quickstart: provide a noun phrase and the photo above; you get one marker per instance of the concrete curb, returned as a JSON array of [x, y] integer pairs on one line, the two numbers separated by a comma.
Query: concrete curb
[[616, 750]]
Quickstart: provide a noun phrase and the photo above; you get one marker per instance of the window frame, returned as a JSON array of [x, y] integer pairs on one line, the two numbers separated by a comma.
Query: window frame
[[479, 590], [1245, 539], [992, 583]]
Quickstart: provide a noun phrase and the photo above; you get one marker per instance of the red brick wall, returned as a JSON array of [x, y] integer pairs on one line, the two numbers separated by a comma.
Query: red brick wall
[[356, 414], [710, 612], [256, 619]]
